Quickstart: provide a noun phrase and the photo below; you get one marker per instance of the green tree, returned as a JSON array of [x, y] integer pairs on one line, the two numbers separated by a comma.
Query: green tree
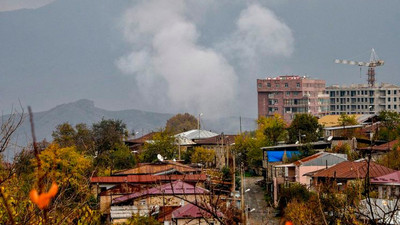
[[163, 143], [64, 135], [107, 133], [390, 128], [304, 128], [273, 128], [142, 220], [181, 123], [248, 150], [203, 155], [80, 136], [347, 120], [122, 158]]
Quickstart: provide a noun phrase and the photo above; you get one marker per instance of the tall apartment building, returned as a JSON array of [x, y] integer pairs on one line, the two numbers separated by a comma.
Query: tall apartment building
[[288, 95], [363, 99]]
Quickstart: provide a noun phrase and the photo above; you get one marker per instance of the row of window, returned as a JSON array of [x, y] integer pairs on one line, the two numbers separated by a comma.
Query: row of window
[[360, 92], [286, 85], [357, 107]]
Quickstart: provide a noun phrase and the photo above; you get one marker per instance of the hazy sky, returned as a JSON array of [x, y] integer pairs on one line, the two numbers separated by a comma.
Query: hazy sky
[[185, 56]]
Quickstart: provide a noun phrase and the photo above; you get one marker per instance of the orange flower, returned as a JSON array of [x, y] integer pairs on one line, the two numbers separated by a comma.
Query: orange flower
[[43, 200]]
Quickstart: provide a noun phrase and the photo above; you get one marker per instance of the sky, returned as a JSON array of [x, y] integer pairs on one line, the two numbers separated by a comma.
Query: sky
[[191, 56]]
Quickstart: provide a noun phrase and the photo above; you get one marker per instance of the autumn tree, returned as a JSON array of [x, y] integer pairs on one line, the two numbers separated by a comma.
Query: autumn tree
[[347, 120], [203, 156], [181, 123], [163, 143], [304, 128], [248, 151], [390, 128], [273, 128]]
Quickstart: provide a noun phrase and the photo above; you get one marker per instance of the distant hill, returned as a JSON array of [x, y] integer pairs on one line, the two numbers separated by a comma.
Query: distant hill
[[84, 111]]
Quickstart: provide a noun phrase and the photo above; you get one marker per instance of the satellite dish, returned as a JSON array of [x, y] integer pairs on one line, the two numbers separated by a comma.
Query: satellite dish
[[297, 142], [329, 138], [159, 157], [174, 160]]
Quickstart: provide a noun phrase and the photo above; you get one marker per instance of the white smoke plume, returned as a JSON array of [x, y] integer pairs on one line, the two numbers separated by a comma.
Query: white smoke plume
[[11, 5], [175, 72], [165, 52], [259, 35]]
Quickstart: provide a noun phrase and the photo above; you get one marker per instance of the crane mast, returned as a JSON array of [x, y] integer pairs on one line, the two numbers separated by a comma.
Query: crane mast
[[373, 62]]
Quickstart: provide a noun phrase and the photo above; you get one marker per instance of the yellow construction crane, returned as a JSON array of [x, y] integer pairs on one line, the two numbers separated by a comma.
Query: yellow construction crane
[[373, 62]]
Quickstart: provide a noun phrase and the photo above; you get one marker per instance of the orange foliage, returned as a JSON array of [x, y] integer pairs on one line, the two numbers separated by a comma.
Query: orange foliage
[[43, 200]]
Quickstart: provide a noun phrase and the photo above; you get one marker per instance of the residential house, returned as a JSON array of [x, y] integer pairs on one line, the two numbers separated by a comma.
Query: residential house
[[149, 201], [222, 145], [190, 214], [347, 171], [136, 144], [296, 171], [388, 185]]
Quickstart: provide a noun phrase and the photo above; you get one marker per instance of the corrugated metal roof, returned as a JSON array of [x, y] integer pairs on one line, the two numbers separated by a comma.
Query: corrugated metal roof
[[391, 178], [333, 120], [192, 211], [175, 188], [217, 140], [148, 178], [142, 139], [153, 168], [354, 170], [322, 159], [197, 134]]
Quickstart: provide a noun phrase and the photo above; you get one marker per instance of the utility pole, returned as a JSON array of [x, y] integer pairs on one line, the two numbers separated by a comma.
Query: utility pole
[[242, 194]]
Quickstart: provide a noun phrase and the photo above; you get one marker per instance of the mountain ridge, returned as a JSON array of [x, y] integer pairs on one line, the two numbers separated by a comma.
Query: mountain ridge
[[85, 111]]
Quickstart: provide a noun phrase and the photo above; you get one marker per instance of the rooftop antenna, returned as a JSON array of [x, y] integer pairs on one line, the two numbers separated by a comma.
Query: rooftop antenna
[[160, 158]]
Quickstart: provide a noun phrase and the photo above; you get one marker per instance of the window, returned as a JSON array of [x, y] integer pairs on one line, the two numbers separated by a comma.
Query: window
[[388, 106], [286, 85], [287, 93], [142, 202], [259, 85], [277, 85], [297, 84], [389, 99], [268, 84], [295, 93], [395, 92], [388, 92]]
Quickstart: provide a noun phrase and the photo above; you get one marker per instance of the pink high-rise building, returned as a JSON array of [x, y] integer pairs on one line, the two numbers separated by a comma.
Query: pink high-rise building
[[289, 94]]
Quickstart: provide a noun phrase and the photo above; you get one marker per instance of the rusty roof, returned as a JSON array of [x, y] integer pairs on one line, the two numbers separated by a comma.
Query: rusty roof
[[391, 178], [174, 188], [353, 170], [217, 140], [148, 178], [333, 120], [159, 167], [142, 139]]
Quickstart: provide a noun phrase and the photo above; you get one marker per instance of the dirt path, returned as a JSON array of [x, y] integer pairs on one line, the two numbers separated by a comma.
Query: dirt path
[[260, 212]]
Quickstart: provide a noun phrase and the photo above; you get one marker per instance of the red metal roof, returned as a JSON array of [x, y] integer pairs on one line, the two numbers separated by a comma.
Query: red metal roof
[[192, 211], [392, 178], [148, 178], [353, 170], [175, 188]]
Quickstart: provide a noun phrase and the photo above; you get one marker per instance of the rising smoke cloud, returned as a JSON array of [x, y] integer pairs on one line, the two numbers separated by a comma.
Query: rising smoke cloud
[[169, 63], [165, 52], [11, 5]]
